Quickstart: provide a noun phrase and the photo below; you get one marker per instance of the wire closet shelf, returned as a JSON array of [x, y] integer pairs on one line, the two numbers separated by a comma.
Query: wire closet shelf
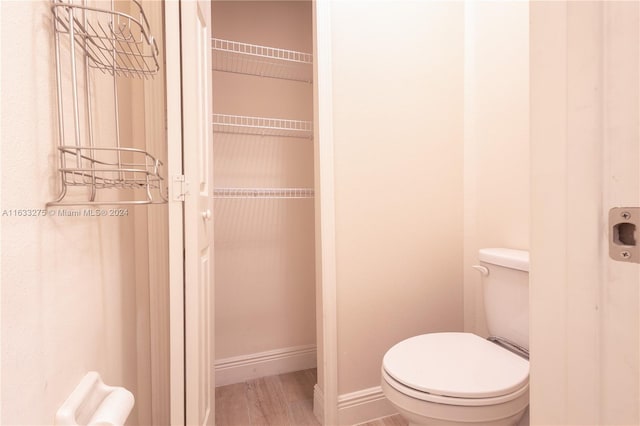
[[263, 193], [261, 126], [263, 61], [93, 48]]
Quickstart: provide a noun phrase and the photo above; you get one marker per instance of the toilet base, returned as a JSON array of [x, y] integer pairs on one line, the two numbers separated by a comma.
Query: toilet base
[[424, 413], [428, 421]]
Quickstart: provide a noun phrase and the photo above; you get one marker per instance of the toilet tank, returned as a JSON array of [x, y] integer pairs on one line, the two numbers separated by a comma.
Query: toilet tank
[[506, 293]]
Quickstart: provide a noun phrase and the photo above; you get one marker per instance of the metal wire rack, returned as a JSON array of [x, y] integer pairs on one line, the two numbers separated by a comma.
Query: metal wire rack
[[263, 193], [90, 41], [113, 42], [238, 124], [106, 168], [264, 61]]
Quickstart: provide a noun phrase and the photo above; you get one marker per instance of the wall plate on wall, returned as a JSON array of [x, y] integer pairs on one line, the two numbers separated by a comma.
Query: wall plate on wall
[[624, 234]]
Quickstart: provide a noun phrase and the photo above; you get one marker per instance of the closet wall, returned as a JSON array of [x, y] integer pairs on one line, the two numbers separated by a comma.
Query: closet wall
[[264, 244]]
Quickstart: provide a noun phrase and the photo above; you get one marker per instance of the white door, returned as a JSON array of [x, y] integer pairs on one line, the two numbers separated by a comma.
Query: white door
[[198, 210]]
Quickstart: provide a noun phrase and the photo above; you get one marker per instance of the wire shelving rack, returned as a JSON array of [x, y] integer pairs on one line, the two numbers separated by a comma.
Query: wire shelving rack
[[90, 41], [261, 126], [264, 61]]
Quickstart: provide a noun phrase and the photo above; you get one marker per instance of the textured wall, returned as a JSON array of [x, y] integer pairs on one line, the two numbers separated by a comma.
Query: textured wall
[[68, 287]]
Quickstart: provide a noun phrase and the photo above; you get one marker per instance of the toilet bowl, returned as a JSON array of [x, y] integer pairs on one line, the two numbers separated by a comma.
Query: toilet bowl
[[455, 378]]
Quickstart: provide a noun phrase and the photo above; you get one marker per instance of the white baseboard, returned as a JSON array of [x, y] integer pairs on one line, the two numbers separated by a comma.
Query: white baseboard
[[363, 406], [247, 367]]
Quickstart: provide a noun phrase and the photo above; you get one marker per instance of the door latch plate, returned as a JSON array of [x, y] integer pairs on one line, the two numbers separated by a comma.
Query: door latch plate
[[624, 234]]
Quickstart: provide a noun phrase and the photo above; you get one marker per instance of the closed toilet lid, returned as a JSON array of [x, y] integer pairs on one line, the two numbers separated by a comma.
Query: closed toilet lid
[[456, 365]]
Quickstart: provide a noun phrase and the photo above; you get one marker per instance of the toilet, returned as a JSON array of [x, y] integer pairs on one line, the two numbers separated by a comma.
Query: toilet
[[460, 378]]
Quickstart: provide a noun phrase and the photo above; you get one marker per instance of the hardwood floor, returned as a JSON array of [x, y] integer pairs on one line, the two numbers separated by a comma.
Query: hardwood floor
[[396, 420], [284, 400]]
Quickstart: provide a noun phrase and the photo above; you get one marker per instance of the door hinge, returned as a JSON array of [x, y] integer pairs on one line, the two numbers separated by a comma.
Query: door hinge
[[179, 187]]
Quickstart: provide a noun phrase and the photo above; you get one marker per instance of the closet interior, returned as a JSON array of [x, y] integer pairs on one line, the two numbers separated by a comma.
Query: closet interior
[[263, 196]]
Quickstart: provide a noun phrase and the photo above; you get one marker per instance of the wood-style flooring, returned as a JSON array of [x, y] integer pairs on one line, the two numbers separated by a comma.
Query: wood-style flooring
[[284, 400], [396, 420]]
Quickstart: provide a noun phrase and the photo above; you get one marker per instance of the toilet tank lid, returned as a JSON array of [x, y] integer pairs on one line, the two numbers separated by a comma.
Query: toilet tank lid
[[509, 258]]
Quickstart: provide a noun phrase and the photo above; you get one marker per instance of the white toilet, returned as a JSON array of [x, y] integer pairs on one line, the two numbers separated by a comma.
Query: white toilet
[[460, 378]]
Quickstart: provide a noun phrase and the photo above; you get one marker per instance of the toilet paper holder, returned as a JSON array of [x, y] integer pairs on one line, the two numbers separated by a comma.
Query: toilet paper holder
[[94, 403]]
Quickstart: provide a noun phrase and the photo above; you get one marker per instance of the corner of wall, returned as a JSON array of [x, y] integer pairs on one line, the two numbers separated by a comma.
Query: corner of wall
[[363, 406], [496, 126]]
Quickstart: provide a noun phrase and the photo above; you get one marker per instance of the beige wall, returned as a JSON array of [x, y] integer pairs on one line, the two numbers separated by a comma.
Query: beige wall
[[265, 274], [397, 117], [68, 283], [496, 140]]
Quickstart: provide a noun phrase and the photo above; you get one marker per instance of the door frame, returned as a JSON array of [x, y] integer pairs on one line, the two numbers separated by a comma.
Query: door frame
[[585, 106], [176, 219], [326, 392]]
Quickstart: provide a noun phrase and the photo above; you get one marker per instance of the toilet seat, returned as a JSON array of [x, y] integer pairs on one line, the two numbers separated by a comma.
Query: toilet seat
[[448, 400], [455, 368]]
